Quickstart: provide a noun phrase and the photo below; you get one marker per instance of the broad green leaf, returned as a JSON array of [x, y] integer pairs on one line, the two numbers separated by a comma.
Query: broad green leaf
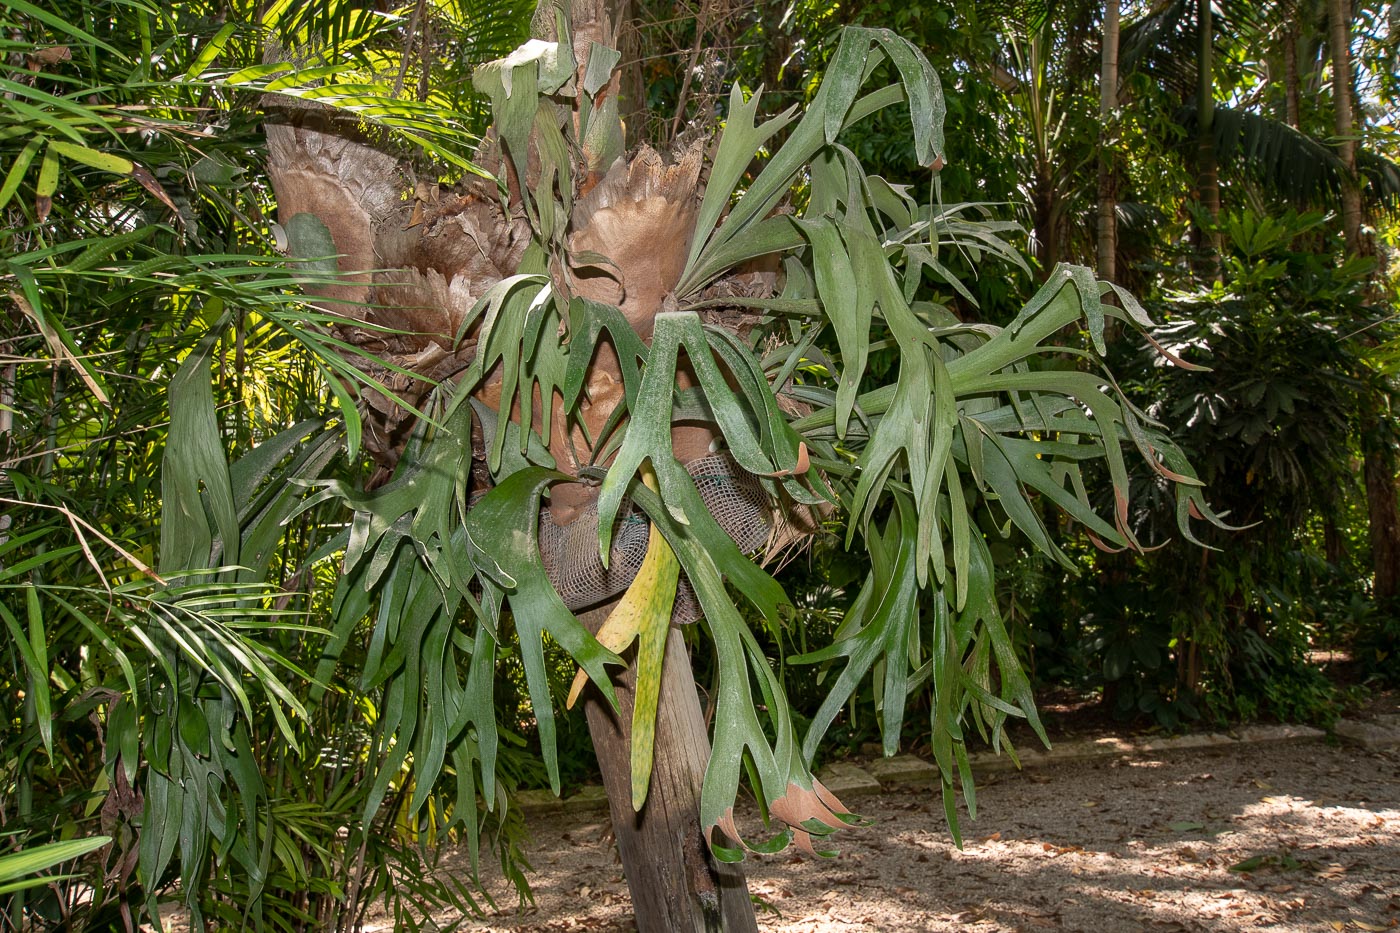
[[195, 484], [33, 859], [39, 673], [601, 62], [849, 309], [23, 159], [48, 174], [504, 524], [645, 611], [310, 243], [924, 92], [103, 161]]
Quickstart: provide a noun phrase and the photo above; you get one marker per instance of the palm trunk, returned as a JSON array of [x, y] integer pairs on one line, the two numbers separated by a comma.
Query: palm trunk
[[1207, 171], [1108, 107], [1292, 92], [1344, 120], [1045, 201], [1384, 520], [1334, 546], [1379, 469]]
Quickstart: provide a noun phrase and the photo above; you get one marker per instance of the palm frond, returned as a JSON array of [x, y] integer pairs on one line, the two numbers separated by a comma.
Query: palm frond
[[1163, 42], [1290, 163]]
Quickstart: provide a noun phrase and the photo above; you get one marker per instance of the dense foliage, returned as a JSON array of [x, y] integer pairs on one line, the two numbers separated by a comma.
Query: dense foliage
[[205, 710]]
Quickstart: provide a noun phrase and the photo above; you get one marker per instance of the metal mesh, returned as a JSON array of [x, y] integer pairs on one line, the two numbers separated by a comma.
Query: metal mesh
[[732, 495]]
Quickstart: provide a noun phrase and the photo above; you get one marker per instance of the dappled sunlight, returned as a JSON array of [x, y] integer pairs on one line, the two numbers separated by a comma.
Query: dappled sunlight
[[1271, 838], [1144, 763]]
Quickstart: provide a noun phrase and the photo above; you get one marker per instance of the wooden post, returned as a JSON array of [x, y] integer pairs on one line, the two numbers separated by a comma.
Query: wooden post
[[677, 885]]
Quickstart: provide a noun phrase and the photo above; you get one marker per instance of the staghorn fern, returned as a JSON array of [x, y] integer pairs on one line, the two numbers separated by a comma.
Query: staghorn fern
[[638, 303]]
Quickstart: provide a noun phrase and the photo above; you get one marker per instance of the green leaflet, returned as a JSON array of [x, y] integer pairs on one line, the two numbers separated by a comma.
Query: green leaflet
[[33, 649], [19, 870], [743, 422], [517, 333], [834, 107], [849, 309], [786, 786], [15, 174], [195, 475], [504, 525]]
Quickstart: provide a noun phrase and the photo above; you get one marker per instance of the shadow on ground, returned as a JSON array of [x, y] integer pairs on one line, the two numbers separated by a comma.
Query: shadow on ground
[[1285, 838]]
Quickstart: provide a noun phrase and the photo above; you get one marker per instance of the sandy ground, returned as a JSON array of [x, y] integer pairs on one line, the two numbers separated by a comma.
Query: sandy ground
[[1285, 838]]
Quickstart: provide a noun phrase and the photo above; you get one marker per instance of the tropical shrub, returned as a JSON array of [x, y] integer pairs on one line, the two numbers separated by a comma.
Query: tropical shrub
[[1272, 427]]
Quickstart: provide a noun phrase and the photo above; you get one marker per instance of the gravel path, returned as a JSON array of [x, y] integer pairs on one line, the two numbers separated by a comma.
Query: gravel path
[[1299, 837]]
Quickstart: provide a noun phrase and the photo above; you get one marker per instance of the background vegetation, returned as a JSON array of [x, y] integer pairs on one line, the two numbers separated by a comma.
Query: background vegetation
[[161, 631]]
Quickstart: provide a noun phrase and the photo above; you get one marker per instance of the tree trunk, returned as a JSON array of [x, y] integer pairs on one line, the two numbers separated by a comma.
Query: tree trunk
[[1108, 108], [1044, 203], [1334, 546], [414, 258], [1292, 90], [1379, 466], [1384, 521], [1207, 171], [1344, 120], [677, 885], [322, 169], [632, 99]]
